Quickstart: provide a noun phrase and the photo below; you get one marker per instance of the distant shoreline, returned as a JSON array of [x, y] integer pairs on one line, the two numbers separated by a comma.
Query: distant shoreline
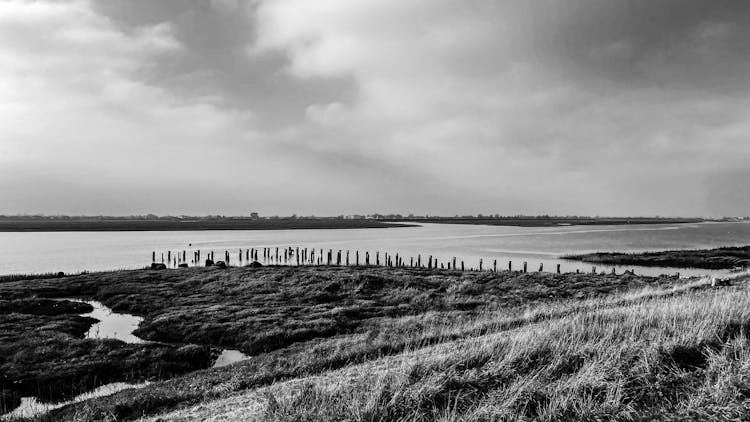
[[544, 221], [113, 225]]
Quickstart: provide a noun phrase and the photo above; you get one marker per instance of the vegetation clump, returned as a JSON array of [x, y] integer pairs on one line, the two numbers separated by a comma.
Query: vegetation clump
[[712, 259]]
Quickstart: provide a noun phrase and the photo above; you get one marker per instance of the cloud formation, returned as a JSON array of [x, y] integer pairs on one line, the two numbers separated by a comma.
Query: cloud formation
[[288, 106]]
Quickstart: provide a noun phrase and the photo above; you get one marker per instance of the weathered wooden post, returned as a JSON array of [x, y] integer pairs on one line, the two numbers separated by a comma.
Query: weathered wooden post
[[367, 258], [480, 264], [429, 263], [226, 255], [153, 256], [419, 260], [614, 273], [347, 257], [558, 268], [377, 258], [356, 262], [494, 266], [169, 257], [510, 266], [524, 266], [462, 265], [454, 262], [398, 261], [541, 267]]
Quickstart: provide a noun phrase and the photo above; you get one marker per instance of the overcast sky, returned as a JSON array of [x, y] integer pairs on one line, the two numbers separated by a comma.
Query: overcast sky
[[327, 107]]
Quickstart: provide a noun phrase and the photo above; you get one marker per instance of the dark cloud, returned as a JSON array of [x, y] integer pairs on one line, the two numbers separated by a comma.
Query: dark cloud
[[432, 106]]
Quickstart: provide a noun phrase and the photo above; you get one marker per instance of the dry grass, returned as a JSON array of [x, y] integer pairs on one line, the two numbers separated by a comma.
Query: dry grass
[[668, 357]]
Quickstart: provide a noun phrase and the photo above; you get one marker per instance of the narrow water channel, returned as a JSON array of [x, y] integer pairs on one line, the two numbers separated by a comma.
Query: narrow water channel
[[111, 325]]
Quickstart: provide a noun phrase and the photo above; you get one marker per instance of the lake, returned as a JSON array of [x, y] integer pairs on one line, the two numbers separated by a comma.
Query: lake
[[38, 252]]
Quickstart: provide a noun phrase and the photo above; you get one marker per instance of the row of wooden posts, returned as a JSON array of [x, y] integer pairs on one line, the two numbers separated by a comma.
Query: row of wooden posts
[[304, 256]]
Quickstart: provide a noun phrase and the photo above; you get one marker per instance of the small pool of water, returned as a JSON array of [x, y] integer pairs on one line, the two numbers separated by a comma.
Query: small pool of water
[[112, 325], [228, 357]]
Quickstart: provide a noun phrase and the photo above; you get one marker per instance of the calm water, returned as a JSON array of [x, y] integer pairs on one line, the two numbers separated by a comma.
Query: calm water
[[93, 251]]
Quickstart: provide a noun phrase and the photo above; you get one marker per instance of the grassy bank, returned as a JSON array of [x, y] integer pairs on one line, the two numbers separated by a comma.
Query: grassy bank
[[387, 344], [713, 259]]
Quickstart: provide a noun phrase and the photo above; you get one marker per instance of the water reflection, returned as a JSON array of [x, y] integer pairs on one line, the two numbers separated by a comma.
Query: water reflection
[[112, 325], [228, 357]]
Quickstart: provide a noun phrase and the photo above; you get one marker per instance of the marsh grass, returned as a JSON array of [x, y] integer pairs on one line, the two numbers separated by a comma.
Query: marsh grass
[[419, 345], [715, 259]]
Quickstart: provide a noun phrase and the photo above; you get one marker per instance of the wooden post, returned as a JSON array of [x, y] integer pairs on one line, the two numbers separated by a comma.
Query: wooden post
[[419, 261], [510, 266], [480, 264], [411, 261], [377, 258], [541, 267], [462, 265], [614, 273], [593, 270], [347, 258], [429, 263], [454, 262], [494, 266], [524, 266], [356, 258], [169, 257], [367, 258], [558, 268], [153, 256]]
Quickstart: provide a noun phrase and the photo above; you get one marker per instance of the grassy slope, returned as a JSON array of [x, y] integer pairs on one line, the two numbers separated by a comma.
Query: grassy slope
[[716, 259], [672, 354], [484, 347]]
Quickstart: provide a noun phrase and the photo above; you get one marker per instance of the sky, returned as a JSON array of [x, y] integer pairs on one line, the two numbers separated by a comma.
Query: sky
[[328, 107]]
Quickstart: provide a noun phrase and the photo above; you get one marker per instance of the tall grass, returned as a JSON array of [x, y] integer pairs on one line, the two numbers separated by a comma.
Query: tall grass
[[667, 357]]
